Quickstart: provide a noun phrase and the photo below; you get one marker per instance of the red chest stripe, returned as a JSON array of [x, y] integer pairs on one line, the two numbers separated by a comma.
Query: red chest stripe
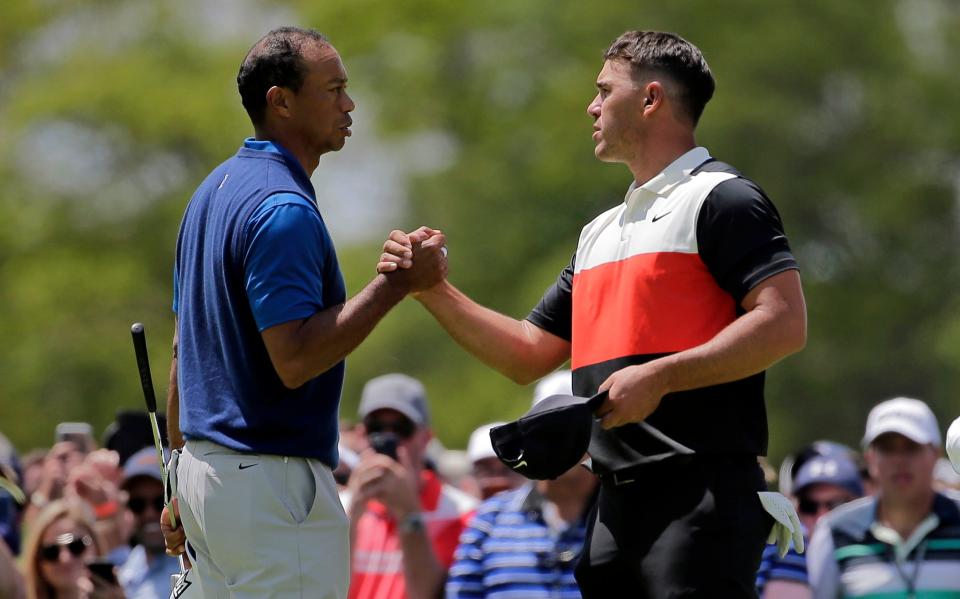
[[646, 304]]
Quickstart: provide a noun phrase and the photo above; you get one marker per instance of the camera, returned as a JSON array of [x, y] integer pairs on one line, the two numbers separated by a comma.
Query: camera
[[385, 443], [78, 433]]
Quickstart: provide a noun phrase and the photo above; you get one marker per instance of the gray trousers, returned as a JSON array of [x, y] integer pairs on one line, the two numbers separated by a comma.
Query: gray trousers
[[262, 525]]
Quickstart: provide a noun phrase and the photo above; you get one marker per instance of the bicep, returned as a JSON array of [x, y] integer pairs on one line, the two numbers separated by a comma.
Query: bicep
[[281, 340], [781, 291]]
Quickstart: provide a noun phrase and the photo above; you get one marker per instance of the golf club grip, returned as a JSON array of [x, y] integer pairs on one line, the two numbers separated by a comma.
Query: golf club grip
[[143, 363]]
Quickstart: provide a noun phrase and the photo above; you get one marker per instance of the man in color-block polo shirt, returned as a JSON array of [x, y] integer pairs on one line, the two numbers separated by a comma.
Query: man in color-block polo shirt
[[676, 301], [404, 522]]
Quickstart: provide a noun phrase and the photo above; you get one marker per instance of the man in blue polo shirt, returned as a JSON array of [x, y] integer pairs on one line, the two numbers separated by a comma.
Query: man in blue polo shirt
[[263, 327]]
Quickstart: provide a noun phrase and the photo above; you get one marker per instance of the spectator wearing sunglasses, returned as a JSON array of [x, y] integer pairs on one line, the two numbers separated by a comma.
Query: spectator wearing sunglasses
[[824, 481], [62, 542], [404, 522], [146, 572]]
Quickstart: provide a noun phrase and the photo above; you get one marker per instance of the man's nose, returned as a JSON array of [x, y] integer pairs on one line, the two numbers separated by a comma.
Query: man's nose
[[348, 104], [593, 108]]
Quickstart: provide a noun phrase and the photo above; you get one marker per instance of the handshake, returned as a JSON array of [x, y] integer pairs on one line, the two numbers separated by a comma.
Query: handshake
[[415, 261]]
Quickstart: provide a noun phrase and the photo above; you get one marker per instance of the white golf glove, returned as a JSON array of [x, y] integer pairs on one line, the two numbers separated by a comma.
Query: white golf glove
[[786, 524], [953, 444]]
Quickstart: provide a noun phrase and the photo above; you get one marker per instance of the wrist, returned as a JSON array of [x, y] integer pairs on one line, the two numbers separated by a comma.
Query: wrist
[[412, 522], [427, 295], [663, 373], [394, 285]]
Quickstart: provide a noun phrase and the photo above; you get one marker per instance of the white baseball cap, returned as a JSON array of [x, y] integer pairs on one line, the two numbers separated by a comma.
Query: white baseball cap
[[556, 383], [953, 444], [480, 447], [908, 417]]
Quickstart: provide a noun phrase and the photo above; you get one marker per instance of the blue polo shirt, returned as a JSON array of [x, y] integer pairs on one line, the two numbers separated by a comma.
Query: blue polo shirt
[[253, 252]]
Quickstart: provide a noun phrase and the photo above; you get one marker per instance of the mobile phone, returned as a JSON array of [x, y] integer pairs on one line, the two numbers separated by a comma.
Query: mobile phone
[[385, 443], [104, 570], [78, 433]]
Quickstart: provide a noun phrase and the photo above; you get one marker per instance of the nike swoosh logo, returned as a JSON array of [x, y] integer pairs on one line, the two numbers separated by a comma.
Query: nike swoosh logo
[[245, 466], [659, 216], [520, 465]]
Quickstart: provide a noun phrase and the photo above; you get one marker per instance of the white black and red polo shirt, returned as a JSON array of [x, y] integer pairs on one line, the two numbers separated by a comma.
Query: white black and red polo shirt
[[662, 272]]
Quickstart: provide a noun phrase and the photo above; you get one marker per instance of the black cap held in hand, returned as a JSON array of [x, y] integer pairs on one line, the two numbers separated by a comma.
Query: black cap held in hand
[[551, 438]]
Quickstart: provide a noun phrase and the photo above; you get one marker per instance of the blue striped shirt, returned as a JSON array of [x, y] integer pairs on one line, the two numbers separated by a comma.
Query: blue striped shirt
[[508, 551], [791, 567]]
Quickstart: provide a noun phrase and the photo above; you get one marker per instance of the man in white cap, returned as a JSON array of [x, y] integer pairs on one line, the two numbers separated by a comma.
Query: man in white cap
[[953, 444], [526, 542], [905, 541], [491, 475]]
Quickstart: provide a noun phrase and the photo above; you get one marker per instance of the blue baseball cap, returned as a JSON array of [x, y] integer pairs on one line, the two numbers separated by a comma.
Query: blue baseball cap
[[143, 463], [833, 469]]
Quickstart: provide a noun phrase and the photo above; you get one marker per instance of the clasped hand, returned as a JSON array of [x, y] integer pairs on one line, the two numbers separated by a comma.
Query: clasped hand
[[420, 255]]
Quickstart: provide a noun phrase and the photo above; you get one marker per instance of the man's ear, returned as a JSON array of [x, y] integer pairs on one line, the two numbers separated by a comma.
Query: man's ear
[[278, 100], [654, 96]]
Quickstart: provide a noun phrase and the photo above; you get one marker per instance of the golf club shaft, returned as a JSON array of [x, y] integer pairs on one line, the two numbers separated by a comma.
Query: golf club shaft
[[146, 382]]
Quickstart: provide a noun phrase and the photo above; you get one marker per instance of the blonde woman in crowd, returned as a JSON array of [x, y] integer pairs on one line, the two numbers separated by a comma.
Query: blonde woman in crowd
[[62, 543]]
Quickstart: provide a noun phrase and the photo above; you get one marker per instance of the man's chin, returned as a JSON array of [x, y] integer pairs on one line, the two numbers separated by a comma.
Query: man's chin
[[603, 153]]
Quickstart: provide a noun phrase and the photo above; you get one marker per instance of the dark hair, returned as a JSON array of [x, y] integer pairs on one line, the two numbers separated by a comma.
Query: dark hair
[[277, 59], [671, 55]]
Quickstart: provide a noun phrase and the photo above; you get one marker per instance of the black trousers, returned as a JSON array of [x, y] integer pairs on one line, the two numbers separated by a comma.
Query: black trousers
[[693, 529]]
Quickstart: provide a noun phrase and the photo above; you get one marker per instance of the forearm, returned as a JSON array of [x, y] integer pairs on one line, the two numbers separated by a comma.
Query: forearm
[[750, 344], [422, 571], [313, 346], [515, 348], [174, 436]]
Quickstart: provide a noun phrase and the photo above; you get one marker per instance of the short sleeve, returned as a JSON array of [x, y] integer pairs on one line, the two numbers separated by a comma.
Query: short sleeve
[[554, 313], [465, 579], [740, 237], [286, 249]]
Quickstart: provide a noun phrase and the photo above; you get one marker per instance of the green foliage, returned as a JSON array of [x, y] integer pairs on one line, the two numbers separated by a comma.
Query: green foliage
[[847, 117]]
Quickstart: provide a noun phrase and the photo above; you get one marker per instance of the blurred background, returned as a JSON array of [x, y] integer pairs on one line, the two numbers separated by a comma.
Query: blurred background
[[471, 118]]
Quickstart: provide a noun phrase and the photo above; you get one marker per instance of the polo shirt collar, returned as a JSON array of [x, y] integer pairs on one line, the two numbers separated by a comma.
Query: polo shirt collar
[[272, 147], [674, 173]]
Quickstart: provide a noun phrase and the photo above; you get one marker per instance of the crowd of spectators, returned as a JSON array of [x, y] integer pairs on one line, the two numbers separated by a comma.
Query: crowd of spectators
[[82, 521]]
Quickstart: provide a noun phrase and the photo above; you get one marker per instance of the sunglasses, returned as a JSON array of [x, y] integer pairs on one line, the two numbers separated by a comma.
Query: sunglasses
[[811, 507], [76, 546], [138, 505], [402, 428]]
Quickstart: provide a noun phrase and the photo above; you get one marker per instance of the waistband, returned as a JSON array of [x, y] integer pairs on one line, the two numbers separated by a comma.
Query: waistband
[[675, 467], [199, 447]]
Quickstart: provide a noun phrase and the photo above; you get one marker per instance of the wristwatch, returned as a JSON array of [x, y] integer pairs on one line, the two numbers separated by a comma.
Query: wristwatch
[[412, 522]]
